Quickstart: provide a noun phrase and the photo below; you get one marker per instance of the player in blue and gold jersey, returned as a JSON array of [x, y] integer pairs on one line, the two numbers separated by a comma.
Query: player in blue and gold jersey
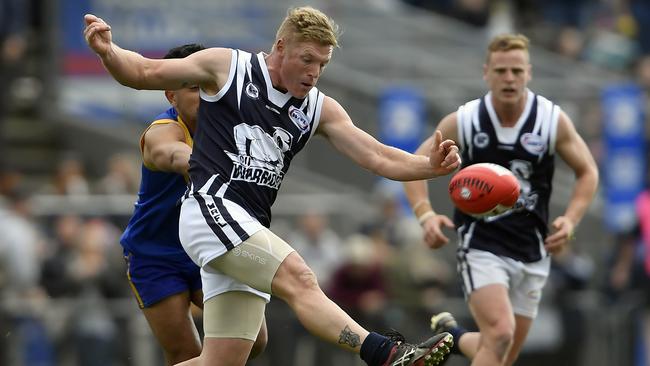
[[164, 279]]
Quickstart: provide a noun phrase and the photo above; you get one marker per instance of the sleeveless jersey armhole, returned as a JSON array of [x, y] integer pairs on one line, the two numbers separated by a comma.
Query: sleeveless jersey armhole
[[157, 122]]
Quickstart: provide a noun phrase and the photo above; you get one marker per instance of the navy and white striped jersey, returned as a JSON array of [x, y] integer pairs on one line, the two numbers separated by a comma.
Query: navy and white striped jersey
[[527, 149], [248, 135]]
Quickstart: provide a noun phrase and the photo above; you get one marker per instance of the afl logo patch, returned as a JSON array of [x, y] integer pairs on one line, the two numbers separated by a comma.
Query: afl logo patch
[[299, 119], [533, 143], [252, 91], [481, 140]]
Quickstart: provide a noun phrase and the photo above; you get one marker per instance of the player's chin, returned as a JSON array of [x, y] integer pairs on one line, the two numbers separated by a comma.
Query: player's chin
[[302, 91]]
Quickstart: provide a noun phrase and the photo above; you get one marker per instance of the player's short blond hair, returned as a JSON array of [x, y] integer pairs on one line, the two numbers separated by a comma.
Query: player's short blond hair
[[307, 24], [507, 42]]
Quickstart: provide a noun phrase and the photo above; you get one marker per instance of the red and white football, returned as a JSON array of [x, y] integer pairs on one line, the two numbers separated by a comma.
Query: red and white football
[[484, 189]]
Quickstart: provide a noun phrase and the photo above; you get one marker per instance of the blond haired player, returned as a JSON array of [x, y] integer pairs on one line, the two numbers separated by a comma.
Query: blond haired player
[[256, 112]]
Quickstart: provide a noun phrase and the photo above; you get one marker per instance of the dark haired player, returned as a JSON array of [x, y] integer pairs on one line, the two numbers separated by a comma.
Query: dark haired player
[[163, 278]]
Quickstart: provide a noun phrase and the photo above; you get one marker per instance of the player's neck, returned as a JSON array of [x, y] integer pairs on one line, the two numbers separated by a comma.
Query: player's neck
[[509, 113], [273, 65]]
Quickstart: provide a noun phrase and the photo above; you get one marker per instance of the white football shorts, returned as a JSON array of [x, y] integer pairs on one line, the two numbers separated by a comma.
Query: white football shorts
[[525, 281]]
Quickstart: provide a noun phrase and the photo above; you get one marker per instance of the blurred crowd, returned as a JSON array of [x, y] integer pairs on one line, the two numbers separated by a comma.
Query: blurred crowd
[[609, 33], [64, 298]]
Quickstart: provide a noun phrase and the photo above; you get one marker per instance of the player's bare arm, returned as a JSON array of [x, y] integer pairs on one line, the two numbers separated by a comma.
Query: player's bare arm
[[383, 160], [417, 192], [208, 68], [164, 148], [574, 151]]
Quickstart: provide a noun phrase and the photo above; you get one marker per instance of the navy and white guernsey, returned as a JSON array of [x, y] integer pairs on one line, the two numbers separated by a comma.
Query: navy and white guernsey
[[527, 149], [248, 135]]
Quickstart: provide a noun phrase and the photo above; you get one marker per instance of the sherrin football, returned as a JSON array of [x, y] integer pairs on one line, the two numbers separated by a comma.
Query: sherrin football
[[484, 189]]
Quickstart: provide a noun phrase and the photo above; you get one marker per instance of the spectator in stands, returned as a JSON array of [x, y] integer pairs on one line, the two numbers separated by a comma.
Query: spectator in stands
[[359, 285], [21, 245], [96, 267], [13, 46], [639, 10], [56, 276], [319, 246], [121, 176], [70, 178]]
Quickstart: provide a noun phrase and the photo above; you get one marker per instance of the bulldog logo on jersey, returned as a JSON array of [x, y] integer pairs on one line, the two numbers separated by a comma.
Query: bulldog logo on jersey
[[260, 157], [252, 91], [533, 143], [299, 119]]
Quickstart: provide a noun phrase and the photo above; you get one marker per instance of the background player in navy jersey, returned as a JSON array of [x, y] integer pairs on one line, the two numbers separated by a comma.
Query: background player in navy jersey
[[163, 278], [256, 112], [504, 260]]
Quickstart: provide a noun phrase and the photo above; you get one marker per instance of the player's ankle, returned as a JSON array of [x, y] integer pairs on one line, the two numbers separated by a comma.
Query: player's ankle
[[375, 349], [457, 332]]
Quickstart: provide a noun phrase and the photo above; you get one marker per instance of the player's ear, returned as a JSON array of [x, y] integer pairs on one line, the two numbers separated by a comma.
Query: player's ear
[[279, 45], [171, 97], [485, 71]]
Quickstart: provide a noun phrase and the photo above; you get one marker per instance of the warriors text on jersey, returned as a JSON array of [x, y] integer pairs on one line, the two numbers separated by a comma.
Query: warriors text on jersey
[[248, 134], [153, 228], [527, 149]]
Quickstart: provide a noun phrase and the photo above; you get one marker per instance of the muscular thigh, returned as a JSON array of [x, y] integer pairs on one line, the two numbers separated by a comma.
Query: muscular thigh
[[171, 318], [254, 261], [234, 314], [490, 305]]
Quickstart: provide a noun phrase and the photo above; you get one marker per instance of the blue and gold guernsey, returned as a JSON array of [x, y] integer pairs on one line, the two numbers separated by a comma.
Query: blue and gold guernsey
[[153, 228], [248, 135], [527, 149]]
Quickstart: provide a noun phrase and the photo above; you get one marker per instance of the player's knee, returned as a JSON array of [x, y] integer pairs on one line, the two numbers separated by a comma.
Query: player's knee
[[304, 280], [499, 340], [181, 352], [307, 279], [295, 278]]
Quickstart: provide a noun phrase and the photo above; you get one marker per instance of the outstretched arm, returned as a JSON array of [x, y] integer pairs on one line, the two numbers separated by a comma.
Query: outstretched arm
[[574, 151], [207, 68], [381, 159], [417, 192]]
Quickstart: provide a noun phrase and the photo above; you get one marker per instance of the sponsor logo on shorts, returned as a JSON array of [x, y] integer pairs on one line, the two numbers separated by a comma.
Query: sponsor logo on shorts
[[239, 252], [534, 294]]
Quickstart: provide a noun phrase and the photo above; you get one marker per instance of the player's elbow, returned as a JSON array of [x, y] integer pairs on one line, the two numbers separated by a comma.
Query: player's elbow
[[385, 168], [134, 82], [179, 162], [590, 177]]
